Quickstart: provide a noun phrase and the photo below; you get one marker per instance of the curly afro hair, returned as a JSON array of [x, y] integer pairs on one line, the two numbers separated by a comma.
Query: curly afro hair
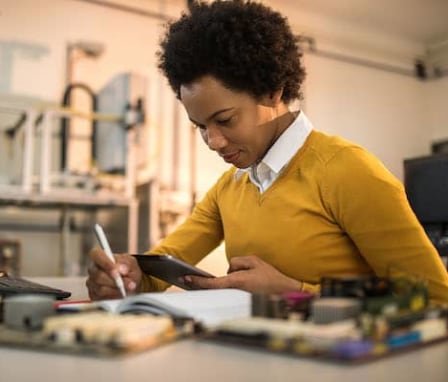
[[246, 45]]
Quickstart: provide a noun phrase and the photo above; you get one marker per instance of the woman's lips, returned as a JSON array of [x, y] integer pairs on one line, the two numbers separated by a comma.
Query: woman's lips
[[231, 157]]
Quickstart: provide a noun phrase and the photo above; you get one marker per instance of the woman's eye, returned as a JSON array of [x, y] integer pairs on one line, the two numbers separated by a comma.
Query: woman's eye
[[224, 121]]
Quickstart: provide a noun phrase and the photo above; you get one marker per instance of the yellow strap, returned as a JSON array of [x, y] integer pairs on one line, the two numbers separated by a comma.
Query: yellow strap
[[81, 114]]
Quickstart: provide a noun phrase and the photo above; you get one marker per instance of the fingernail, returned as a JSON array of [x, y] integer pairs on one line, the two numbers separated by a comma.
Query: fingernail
[[132, 285], [115, 273], [123, 268], [187, 279]]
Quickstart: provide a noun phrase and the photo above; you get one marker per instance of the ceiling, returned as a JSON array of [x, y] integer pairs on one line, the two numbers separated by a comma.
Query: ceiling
[[419, 21]]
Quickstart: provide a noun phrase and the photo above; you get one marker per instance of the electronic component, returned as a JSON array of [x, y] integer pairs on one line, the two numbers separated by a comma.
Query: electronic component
[[328, 310], [125, 332], [27, 311], [268, 305], [298, 303], [355, 286], [358, 319]]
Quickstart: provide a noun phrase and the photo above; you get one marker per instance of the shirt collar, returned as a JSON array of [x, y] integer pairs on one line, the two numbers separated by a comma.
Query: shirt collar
[[285, 147]]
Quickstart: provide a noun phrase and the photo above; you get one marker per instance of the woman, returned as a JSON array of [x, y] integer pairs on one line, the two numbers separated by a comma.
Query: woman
[[297, 204]]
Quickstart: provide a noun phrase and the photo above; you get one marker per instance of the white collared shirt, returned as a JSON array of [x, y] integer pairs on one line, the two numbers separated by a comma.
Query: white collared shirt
[[264, 173]]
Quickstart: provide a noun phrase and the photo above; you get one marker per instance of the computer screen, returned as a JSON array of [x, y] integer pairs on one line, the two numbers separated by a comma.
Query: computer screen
[[426, 184]]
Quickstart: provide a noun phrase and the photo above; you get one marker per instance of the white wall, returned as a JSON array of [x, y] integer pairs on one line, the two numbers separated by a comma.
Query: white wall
[[436, 109], [361, 105], [392, 115]]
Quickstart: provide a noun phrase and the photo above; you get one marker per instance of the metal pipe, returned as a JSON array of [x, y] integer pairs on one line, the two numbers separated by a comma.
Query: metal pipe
[[64, 256], [128, 9], [363, 62], [28, 152], [192, 167], [308, 45], [175, 151], [45, 153], [65, 122]]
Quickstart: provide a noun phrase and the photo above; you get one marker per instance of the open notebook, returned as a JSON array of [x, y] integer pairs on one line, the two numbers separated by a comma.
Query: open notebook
[[209, 306]]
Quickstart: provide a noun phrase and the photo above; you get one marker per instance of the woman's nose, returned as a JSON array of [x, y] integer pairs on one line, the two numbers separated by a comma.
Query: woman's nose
[[215, 139]]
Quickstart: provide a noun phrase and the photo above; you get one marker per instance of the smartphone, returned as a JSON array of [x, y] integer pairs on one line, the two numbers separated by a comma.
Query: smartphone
[[169, 269]]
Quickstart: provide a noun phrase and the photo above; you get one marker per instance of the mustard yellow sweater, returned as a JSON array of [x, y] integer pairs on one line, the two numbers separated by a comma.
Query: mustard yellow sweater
[[334, 210]]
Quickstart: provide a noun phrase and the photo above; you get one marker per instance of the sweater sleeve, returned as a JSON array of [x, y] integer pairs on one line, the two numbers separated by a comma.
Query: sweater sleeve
[[371, 206], [196, 237], [312, 288]]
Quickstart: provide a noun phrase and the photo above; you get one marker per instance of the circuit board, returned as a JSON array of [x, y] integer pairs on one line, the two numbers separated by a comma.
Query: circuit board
[[346, 351], [98, 334]]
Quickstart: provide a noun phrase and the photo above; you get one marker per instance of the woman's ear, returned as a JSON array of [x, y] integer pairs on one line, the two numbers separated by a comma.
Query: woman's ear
[[272, 99]]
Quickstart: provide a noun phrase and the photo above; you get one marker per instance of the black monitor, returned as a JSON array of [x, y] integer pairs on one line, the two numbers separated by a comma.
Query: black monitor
[[426, 184]]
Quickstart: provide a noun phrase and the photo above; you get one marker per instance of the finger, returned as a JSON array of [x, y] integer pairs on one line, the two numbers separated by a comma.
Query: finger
[[101, 292], [200, 282], [100, 285], [92, 268], [99, 276], [102, 261], [130, 271], [125, 263], [103, 284], [241, 263], [130, 285]]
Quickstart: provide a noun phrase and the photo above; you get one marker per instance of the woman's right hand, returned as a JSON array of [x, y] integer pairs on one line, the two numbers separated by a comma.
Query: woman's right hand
[[100, 281]]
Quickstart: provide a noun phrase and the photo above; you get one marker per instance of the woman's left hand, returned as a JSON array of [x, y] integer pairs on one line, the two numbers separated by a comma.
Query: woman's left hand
[[248, 273]]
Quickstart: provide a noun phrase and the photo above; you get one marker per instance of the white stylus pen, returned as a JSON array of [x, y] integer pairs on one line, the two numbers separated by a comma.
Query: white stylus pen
[[106, 247]]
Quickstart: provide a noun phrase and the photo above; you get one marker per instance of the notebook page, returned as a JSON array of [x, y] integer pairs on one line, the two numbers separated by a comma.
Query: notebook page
[[209, 306]]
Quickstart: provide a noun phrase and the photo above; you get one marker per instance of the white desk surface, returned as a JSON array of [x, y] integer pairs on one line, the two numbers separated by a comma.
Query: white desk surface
[[189, 360], [199, 361]]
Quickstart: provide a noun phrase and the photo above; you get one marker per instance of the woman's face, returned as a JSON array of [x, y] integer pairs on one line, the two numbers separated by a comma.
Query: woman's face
[[234, 124]]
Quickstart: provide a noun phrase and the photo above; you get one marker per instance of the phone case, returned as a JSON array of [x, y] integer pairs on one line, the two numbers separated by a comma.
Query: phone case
[[168, 268]]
